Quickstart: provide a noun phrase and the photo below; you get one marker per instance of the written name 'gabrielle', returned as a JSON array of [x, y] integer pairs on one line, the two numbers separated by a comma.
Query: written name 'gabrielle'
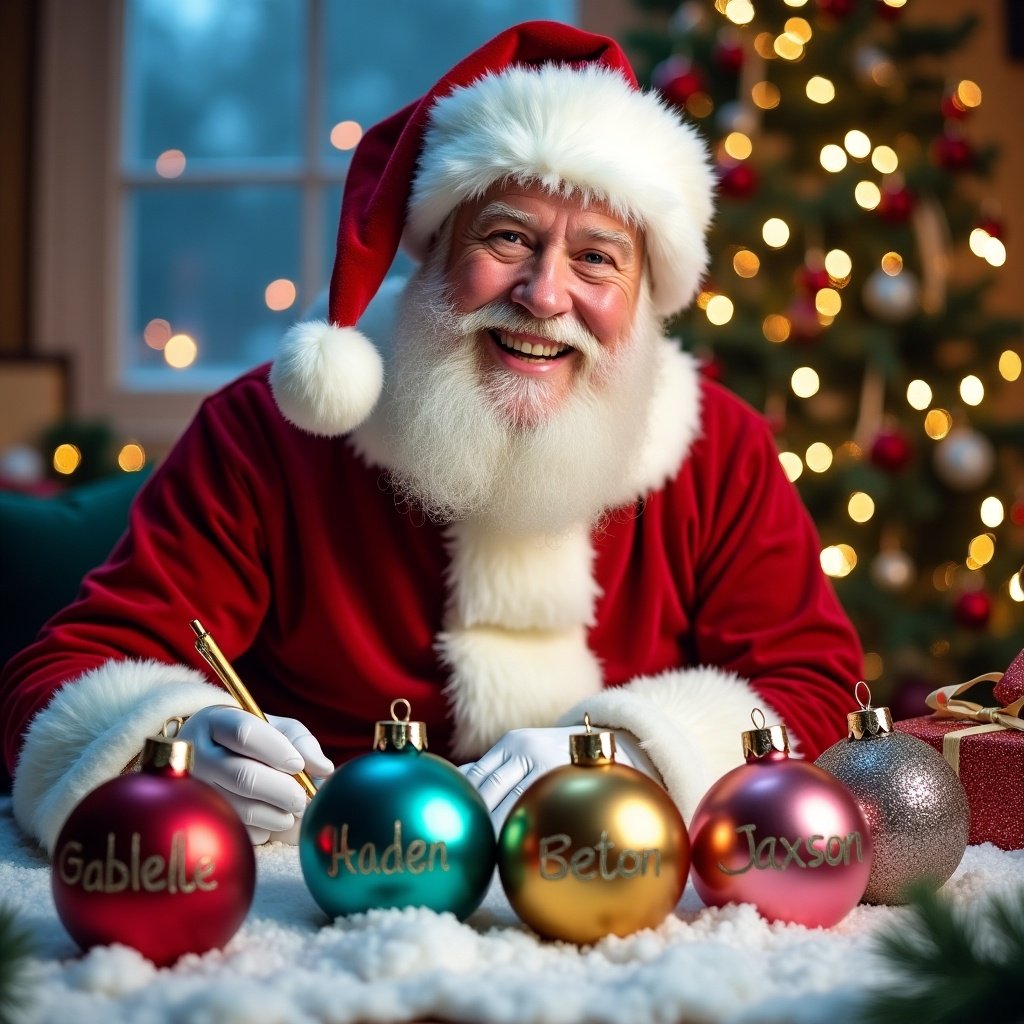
[[764, 854], [418, 856], [152, 873]]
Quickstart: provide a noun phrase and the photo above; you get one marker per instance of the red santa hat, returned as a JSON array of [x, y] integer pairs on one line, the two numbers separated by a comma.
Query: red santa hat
[[541, 102]]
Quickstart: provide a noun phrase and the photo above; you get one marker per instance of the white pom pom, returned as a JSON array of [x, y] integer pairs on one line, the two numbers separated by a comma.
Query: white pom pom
[[326, 379]]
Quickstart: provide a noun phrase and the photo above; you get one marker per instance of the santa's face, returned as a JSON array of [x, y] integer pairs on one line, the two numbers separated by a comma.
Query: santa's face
[[562, 267]]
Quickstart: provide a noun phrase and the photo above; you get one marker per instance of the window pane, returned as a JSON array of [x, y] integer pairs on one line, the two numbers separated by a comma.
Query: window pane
[[213, 79], [382, 55], [200, 260]]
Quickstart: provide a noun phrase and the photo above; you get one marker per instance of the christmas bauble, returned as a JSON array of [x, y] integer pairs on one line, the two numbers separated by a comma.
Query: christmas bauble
[[973, 609], [914, 803], [737, 180], [397, 827], [892, 569], [896, 204], [156, 860], [952, 152], [782, 834], [964, 459], [593, 848], [891, 451], [892, 297], [677, 79]]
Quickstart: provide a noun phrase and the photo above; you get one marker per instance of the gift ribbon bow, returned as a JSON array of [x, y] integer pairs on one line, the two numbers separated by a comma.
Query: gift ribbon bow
[[954, 702]]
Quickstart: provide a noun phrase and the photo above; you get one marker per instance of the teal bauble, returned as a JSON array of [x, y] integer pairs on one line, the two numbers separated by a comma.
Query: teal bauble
[[397, 827]]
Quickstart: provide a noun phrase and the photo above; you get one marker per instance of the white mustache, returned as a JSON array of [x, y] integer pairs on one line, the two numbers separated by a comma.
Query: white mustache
[[563, 330]]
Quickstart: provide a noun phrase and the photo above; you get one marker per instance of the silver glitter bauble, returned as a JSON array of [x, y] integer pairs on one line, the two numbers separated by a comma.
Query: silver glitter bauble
[[914, 803], [892, 297]]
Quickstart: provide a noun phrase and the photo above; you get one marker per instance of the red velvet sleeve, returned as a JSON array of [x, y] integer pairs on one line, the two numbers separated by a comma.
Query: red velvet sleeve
[[193, 548], [764, 609]]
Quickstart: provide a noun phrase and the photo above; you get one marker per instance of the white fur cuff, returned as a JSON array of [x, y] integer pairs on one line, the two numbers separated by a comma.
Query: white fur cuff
[[91, 729], [688, 722]]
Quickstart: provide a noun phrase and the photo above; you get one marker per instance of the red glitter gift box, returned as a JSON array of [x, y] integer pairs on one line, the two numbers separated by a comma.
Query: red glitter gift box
[[979, 729]]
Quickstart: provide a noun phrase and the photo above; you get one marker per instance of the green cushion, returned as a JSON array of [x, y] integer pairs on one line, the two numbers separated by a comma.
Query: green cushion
[[48, 544]]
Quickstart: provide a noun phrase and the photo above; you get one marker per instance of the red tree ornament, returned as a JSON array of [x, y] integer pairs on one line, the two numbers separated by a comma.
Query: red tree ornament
[[952, 152], [738, 180], [891, 451], [677, 79], [156, 860], [896, 204], [837, 9], [804, 326], [728, 54], [953, 109], [973, 609], [813, 279]]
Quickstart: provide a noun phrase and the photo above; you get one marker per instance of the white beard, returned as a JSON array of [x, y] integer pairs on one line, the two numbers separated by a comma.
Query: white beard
[[465, 439]]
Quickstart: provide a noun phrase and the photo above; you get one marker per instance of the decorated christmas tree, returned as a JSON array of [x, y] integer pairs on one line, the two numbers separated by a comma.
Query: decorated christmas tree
[[849, 180]]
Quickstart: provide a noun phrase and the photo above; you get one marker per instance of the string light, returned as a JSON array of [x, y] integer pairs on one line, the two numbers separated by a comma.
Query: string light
[[776, 328], [719, 310], [170, 163], [827, 302], [944, 576], [180, 351], [764, 45], [804, 382], [66, 458], [737, 145], [791, 465], [919, 395], [873, 666], [892, 264], [1015, 588], [746, 263], [157, 333], [279, 294], [740, 12], [132, 457], [775, 232], [788, 48], [345, 135], [838, 560], [972, 391], [838, 265], [765, 95], [1009, 365], [937, 423], [798, 29], [992, 512], [860, 507], [967, 95], [884, 159], [981, 549], [818, 457], [820, 90], [832, 158], [867, 194], [857, 144]]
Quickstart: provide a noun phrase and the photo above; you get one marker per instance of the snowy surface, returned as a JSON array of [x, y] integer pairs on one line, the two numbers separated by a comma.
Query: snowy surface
[[289, 963]]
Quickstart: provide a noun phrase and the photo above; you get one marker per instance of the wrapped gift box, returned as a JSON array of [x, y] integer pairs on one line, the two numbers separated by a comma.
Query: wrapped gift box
[[990, 762]]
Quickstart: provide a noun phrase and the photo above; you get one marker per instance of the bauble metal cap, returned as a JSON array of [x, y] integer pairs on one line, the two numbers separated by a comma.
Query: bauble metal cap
[[400, 733]]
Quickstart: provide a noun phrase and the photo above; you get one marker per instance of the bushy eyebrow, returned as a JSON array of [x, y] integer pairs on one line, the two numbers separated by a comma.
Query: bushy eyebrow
[[504, 211]]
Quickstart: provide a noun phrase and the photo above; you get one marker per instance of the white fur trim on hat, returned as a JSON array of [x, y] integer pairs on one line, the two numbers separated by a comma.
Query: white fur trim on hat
[[326, 379], [91, 729], [688, 721], [584, 130]]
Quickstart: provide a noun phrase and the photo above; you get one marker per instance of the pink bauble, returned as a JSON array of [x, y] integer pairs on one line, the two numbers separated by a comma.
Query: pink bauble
[[781, 834]]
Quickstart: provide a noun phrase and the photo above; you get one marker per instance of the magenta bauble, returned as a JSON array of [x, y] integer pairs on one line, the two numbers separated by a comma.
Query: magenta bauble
[[156, 860], [973, 609], [892, 451], [782, 834]]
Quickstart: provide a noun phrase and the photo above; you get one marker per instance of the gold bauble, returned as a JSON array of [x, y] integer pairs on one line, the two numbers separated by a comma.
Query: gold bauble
[[593, 848]]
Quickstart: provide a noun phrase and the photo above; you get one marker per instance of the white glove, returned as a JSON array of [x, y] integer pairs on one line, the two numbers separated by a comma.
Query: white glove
[[522, 756], [251, 763]]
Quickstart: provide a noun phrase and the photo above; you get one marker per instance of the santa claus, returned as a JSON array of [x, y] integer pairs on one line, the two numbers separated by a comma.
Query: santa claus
[[522, 505]]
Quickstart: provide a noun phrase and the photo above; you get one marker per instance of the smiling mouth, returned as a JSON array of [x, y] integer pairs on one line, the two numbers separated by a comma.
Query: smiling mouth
[[534, 351]]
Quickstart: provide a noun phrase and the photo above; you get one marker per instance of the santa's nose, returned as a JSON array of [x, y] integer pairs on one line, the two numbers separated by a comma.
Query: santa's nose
[[542, 288]]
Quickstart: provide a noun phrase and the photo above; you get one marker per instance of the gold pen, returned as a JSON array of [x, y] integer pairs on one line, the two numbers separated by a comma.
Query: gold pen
[[207, 647]]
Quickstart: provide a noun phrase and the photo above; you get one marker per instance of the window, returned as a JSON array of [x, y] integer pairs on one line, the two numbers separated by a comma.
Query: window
[[193, 157]]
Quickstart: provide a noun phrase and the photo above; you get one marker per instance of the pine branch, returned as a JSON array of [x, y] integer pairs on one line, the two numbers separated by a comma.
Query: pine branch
[[16, 946], [949, 974]]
